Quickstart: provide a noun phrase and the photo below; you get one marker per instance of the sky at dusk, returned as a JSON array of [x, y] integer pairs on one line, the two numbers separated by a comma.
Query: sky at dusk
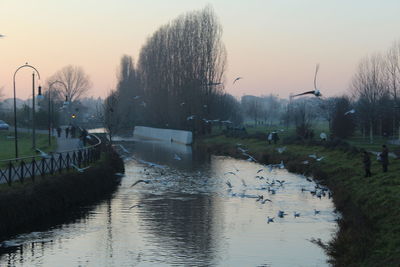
[[273, 44]]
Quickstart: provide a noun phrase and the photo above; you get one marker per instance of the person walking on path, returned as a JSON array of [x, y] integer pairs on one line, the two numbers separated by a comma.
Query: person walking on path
[[66, 132], [367, 163], [73, 131], [384, 158], [58, 132]]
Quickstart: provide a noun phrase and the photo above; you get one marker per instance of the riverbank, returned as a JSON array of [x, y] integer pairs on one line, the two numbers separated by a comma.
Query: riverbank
[[369, 232], [28, 206]]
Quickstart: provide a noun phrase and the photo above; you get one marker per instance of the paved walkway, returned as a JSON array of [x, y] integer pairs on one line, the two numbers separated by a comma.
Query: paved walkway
[[64, 144]]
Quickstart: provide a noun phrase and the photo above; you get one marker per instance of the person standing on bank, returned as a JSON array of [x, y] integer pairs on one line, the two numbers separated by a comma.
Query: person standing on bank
[[367, 163], [384, 158]]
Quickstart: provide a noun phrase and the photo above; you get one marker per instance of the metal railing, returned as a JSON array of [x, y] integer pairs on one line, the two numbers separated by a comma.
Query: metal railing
[[19, 169]]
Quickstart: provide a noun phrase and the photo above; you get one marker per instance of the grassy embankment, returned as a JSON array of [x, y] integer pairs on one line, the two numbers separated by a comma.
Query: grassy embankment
[[7, 145], [369, 233], [52, 199]]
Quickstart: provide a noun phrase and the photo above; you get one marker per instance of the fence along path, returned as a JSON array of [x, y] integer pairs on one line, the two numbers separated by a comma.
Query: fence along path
[[19, 169]]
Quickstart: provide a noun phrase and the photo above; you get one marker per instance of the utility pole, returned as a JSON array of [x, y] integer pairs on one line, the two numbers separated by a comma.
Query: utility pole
[[33, 113]]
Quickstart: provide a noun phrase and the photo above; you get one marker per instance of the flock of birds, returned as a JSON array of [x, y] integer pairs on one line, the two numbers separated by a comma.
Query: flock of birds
[[271, 186]]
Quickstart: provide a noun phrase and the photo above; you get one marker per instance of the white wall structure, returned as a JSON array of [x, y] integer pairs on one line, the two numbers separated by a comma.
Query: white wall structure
[[177, 136]]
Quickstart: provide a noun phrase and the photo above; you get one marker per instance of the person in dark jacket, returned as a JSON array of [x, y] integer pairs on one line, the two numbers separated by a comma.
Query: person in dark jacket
[[367, 164], [58, 132], [66, 132], [384, 158]]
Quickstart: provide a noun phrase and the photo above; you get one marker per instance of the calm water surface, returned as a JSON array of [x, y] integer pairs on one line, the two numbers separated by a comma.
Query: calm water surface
[[188, 216]]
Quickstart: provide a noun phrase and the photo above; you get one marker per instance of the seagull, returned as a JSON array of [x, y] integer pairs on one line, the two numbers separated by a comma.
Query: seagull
[[2, 35], [315, 92], [43, 154], [270, 219], [176, 157], [124, 149], [80, 169], [237, 79], [312, 156], [182, 104], [140, 181], [296, 214], [143, 104], [281, 165], [351, 111], [280, 182], [281, 214], [272, 191], [281, 149], [260, 170], [265, 200], [137, 97], [319, 159], [242, 150], [305, 162], [190, 117]]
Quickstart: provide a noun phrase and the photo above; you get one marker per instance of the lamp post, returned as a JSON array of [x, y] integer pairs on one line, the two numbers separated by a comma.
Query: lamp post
[[15, 105], [50, 119]]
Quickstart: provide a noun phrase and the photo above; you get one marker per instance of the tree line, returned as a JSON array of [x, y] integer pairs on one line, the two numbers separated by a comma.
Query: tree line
[[177, 81]]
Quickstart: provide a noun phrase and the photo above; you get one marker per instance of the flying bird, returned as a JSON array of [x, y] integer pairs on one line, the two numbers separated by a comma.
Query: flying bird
[[351, 111], [80, 169], [140, 181], [143, 104], [136, 97], [190, 117], [270, 219], [176, 157], [2, 35], [237, 79], [296, 214], [182, 104], [265, 200], [260, 170], [43, 154], [315, 92]]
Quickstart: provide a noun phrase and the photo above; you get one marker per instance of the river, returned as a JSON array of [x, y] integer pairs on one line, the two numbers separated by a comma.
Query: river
[[186, 214]]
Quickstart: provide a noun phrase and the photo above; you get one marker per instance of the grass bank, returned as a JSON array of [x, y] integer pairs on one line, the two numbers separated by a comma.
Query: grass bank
[[369, 233], [7, 144], [29, 206]]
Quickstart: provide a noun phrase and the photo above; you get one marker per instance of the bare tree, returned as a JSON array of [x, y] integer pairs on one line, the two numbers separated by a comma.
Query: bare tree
[[76, 83], [369, 86], [110, 115]]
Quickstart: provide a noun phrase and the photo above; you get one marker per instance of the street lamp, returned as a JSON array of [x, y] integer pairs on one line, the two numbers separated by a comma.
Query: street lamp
[[66, 103], [15, 105]]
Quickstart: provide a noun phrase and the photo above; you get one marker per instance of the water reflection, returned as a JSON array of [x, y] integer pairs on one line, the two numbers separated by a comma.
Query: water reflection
[[187, 216]]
